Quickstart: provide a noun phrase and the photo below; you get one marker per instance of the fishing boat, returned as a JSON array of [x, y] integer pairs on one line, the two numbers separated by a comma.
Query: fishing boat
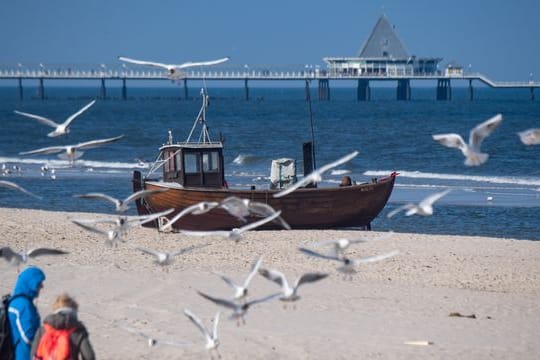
[[193, 171]]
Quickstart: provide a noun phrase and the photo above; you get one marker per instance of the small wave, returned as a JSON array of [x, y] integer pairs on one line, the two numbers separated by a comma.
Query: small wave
[[477, 178], [340, 172], [58, 163]]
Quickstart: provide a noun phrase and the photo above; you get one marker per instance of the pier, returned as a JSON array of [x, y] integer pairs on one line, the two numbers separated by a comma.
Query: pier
[[320, 77]]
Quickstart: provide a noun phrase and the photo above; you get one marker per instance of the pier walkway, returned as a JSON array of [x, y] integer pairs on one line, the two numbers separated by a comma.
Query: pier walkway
[[247, 73]]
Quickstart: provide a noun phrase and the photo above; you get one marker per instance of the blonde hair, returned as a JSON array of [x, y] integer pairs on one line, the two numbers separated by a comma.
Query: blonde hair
[[64, 301]]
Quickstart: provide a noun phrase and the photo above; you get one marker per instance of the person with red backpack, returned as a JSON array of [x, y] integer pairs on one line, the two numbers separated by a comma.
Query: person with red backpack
[[62, 336]]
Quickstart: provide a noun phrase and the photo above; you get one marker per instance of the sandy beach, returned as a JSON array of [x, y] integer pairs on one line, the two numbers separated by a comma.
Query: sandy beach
[[406, 298]]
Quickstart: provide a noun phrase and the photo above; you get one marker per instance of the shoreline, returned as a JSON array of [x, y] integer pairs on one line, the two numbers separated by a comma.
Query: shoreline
[[406, 298]]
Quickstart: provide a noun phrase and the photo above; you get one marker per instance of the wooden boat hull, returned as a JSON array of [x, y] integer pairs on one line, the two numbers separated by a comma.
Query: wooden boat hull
[[305, 208]]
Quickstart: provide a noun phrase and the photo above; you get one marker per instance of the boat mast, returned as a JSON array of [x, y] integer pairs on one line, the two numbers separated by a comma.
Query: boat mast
[[204, 137]]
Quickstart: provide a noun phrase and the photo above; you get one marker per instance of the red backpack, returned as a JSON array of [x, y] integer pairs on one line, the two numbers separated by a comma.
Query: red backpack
[[54, 344]]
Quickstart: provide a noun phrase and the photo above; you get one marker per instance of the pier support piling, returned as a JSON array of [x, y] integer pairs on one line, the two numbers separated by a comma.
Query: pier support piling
[[532, 94], [471, 90], [41, 89], [102, 90], [20, 89], [186, 94], [246, 89], [363, 92], [324, 89], [124, 89], [404, 89], [444, 89]]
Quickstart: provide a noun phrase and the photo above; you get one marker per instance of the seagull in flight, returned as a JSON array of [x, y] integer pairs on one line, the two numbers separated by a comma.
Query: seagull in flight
[[165, 258], [239, 310], [151, 341], [242, 208], [236, 233], [342, 244], [316, 176], [59, 129], [349, 265], [16, 258], [424, 208], [241, 290], [288, 293], [212, 340], [173, 69], [12, 185], [530, 136], [121, 205], [72, 152], [471, 151], [196, 209]]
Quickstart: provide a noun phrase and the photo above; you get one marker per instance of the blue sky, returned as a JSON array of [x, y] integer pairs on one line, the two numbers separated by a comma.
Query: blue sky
[[500, 39]]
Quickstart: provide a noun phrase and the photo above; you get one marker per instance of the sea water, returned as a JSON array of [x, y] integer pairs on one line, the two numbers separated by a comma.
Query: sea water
[[501, 198]]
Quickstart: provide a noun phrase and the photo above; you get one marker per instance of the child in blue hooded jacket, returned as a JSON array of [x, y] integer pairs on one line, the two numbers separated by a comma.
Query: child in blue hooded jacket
[[24, 318]]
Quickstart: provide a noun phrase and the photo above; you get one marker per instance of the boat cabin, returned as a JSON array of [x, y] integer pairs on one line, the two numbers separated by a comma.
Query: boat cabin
[[193, 164]]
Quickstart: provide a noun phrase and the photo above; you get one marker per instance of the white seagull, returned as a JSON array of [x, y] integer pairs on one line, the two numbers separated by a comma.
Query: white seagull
[[473, 156], [241, 290], [530, 136], [424, 208], [342, 244], [16, 258], [121, 205], [173, 69], [242, 208], [166, 258], [59, 129], [349, 265], [288, 293], [212, 340], [236, 233], [196, 209], [316, 176], [12, 185], [72, 152], [239, 310], [152, 341]]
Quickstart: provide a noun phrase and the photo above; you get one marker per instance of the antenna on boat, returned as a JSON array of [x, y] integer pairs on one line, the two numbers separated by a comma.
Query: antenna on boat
[[308, 98], [204, 137]]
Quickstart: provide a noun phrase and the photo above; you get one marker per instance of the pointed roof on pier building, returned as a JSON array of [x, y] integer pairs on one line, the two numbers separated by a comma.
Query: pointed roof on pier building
[[383, 42]]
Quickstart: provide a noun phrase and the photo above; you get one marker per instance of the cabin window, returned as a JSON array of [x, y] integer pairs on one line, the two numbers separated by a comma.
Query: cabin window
[[191, 163], [169, 161], [210, 161], [178, 162]]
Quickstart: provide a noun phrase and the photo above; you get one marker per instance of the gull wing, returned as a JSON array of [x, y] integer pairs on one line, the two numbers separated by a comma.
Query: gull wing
[[222, 233], [375, 258], [95, 143], [221, 302], [99, 196], [12, 185], [216, 322], [45, 150], [338, 162], [451, 140], [197, 322], [254, 268], [433, 197], [401, 208], [306, 180], [258, 223], [309, 277], [142, 193], [263, 209], [263, 299], [202, 63], [45, 251], [141, 220], [185, 250], [41, 119], [227, 279], [530, 136], [70, 119], [89, 228], [7, 253], [149, 251], [147, 63], [276, 276], [483, 130], [319, 255]]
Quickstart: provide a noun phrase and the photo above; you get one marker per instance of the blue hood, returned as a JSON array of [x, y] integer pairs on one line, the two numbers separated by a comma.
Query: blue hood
[[28, 282]]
